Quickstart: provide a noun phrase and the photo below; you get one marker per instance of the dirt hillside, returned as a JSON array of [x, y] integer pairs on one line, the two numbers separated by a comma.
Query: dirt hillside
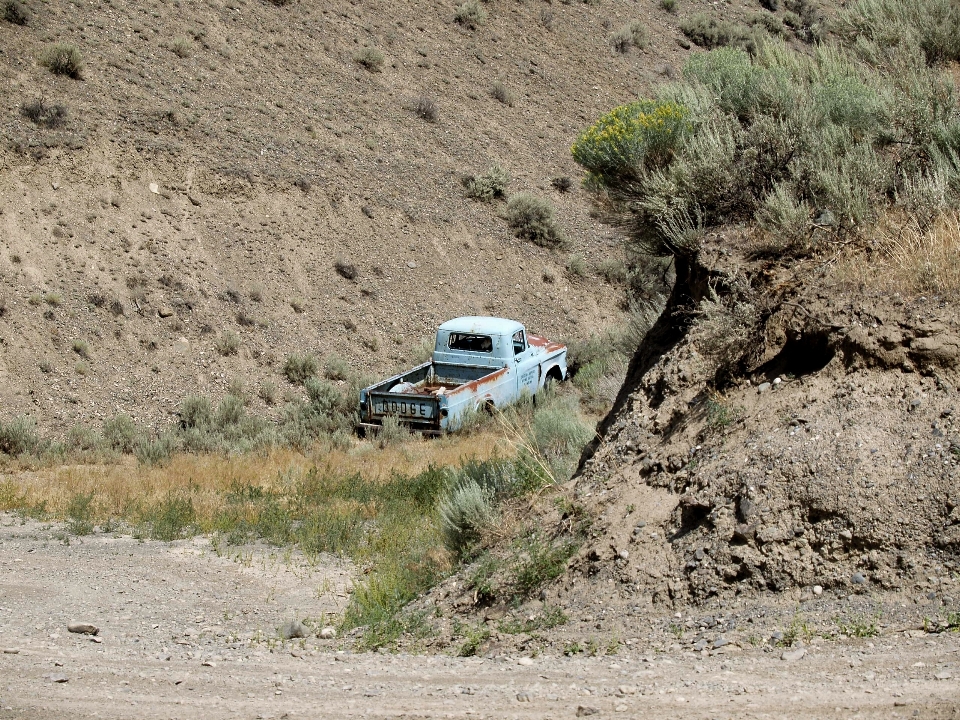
[[214, 161]]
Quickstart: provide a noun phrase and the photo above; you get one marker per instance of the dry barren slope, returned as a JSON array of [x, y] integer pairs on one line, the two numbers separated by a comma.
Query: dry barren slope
[[217, 185]]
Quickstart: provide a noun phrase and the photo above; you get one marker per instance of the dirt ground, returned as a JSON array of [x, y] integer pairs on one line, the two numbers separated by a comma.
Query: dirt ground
[[186, 632]]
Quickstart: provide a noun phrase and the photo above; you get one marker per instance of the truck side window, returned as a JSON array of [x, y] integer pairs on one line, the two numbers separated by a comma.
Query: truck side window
[[518, 342], [470, 343]]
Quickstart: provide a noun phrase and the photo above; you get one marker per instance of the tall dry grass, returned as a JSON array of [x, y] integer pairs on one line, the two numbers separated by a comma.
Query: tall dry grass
[[120, 490], [911, 259]]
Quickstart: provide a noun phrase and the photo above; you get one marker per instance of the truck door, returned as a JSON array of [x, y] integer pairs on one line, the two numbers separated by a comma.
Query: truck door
[[526, 364]]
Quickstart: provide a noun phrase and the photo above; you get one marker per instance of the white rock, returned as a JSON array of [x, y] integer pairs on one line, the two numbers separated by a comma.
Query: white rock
[[525, 661], [817, 590], [154, 188], [328, 633], [793, 655]]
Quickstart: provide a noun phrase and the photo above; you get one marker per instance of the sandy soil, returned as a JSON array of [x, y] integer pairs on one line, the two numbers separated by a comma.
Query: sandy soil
[[187, 633]]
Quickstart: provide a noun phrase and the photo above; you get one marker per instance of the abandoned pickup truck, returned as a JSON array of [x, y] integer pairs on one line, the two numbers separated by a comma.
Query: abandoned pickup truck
[[479, 363]]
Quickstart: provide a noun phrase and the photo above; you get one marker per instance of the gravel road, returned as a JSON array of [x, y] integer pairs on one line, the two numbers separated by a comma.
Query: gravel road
[[185, 632]]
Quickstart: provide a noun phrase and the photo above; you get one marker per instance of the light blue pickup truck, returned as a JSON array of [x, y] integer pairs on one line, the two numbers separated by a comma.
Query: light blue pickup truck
[[479, 363]]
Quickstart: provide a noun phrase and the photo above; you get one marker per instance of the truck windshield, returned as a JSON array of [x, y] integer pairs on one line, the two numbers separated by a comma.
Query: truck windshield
[[470, 343]]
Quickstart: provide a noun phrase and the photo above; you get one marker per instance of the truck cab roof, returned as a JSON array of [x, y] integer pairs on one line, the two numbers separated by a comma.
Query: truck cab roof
[[481, 325]]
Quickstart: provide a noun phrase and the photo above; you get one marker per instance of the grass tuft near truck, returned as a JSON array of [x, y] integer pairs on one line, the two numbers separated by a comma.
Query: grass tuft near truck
[[478, 363]]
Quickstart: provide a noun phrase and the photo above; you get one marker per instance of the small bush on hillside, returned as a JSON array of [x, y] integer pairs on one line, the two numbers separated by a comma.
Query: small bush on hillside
[[369, 58], [228, 343], [532, 218], [63, 59], [491, 185], [631, 35], [280, 3], [628, 138], [709, 32], [612, 270], [882, 27], [48, 116], [576, 266], [120, 433], [425, 108], [15, 12], [669, 5], [810, 24], [81, 348], [298, 368], [337, 368], [562, 184], [470, 15], [501, 93], [181, 47]]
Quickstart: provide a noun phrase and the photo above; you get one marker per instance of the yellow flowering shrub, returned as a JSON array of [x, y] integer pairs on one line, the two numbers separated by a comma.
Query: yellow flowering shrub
[[629, 137]]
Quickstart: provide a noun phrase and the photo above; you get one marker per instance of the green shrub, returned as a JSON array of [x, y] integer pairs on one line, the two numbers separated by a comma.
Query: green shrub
[[927, 27], [785, 218], [669, 5], [558, 434], [81, 437], [268, 392], [631, 137], [370, 58], [170, 519], [63, 59], [392, 432], [576, 266], [708, 32], [470, 15], [228, 343], [489, 186], [120, 433], [337, 368], [80, 514], [538, 561], [81, 348], [612, 270], [15, 12], [532, 218], [181, 47], [464, 514], [298, 368], [20, 437], [631, 35], [156, 451]]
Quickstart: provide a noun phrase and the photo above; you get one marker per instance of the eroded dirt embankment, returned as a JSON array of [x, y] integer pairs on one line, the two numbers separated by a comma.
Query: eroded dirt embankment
[[818, 447]]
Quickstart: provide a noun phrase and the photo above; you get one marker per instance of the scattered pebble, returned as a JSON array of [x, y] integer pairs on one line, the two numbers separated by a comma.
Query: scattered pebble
[[584, 710], [328, 633], [525, 661], [793, 655], [82, 628]]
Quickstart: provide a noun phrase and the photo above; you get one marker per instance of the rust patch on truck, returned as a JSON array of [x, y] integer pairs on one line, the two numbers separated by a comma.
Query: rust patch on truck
[[547, 345], [474, 386]]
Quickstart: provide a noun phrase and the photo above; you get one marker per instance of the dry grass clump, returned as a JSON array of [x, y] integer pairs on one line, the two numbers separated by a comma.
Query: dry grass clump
[[470, 15], [913, 260], [425, 108]]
